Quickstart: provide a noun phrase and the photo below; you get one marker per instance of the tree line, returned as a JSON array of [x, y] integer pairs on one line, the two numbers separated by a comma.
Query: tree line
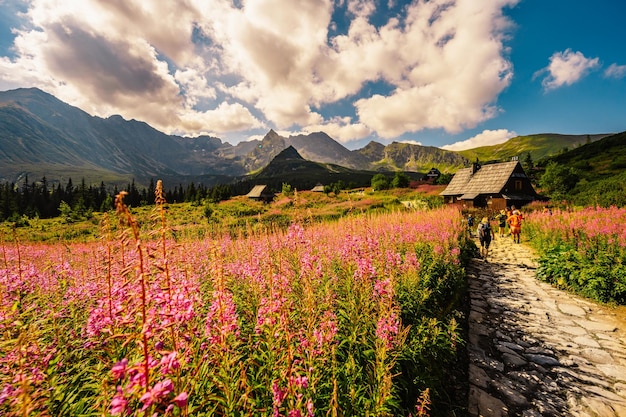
[[43, 200]]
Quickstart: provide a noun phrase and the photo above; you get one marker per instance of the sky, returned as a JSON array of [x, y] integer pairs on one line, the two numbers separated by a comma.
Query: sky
[[455, 74]]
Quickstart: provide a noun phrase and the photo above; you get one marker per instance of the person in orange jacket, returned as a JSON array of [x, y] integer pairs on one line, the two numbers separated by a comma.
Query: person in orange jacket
[[515, 225]]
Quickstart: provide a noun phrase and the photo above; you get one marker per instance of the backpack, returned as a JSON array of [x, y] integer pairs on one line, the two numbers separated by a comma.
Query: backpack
[[516, 221], [484, 230]]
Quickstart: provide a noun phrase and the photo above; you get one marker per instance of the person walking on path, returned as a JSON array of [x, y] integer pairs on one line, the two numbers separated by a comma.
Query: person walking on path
[[470, 223], [515, 225], [501, 218], [485, 234], [535, 350]]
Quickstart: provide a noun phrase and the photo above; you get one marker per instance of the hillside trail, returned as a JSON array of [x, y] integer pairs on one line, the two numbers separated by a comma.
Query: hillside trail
[[535, 350]]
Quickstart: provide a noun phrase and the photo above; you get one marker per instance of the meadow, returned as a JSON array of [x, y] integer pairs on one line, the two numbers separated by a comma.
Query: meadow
[[351, 313], [582, 250]]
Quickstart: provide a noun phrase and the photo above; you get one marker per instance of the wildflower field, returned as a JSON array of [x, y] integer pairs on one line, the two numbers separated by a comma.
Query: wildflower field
[[583, 251], [354, 317]]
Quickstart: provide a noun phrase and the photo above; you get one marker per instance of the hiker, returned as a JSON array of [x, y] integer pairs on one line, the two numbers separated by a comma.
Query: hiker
[[515, 225], [485, 233], [501, 218], [470, 224]]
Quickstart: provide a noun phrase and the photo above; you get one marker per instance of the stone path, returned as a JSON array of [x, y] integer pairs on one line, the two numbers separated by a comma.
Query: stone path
[[538, 351]]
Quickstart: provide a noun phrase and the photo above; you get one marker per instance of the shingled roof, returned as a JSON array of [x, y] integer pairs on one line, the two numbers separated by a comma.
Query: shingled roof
[[257, 191], [458, 184], [489, 179]]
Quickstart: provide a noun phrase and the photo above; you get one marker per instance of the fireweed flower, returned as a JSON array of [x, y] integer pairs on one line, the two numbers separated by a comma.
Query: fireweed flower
[[299, 381], [365, 270], [326, 332], [160, 390], [8, 392], [181, 400], [295, 237], [169, 364], [278, 395], [269, 312], [454, 253], [411, 262], [119, 404], [222, 317], [393, 262], [119, 369], [383, 288], [387, 328]]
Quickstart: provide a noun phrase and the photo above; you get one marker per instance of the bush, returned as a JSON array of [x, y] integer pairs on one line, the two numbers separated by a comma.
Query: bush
[[380, 182]]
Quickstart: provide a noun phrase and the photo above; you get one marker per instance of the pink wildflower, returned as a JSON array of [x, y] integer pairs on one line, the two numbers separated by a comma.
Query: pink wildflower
[[119, 403], [169, 363], [279, 396], [222, 317], [365, 270], [7, 392], [119, 369], [387, 328], [269, 312], [383, 288], [160, 390], [299, 381], [181, 399]]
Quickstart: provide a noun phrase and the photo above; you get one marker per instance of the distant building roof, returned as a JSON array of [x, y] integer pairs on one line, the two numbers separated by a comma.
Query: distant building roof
[[257, 191], [319, 188]]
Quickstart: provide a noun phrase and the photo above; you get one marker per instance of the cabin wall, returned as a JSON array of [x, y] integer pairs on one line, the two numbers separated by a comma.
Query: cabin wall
[[518, 186]]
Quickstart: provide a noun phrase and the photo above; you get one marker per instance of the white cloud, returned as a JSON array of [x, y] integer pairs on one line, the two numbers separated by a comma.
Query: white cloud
[[225, 118], [341, 129], [615, 71], [449, 73], [184, 66], [566, 68], [485, 138], [361, 8]]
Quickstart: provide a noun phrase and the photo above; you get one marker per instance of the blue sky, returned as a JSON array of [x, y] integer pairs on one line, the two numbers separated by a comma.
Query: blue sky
[[453, 74]]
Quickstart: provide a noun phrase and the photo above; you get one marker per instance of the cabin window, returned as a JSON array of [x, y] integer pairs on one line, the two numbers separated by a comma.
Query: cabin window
[[518, 185]]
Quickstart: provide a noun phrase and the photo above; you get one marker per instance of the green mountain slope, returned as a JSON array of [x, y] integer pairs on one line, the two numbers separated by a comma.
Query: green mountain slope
[[601, 169], [409, 157], [291, 168], [540, 146], [604, 158]]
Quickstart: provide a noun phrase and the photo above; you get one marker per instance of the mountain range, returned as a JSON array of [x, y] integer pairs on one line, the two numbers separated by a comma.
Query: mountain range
[[43, 136]]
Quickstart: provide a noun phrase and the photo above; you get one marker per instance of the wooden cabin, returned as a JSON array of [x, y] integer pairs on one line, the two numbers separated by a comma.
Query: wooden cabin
[[494, 186], [432, 175], [319, 188], [261, 193]]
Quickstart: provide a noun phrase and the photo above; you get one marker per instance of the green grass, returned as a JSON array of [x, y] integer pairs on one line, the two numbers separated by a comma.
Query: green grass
[[540, 146], [235, 216]]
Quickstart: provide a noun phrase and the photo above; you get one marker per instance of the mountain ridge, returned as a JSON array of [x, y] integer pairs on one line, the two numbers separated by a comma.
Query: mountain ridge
[[41, 135]]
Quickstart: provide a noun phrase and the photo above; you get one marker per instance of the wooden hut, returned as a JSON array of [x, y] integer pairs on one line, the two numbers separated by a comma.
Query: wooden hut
[[494, 186], [432, 175], [261, 193], [319, 188]]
